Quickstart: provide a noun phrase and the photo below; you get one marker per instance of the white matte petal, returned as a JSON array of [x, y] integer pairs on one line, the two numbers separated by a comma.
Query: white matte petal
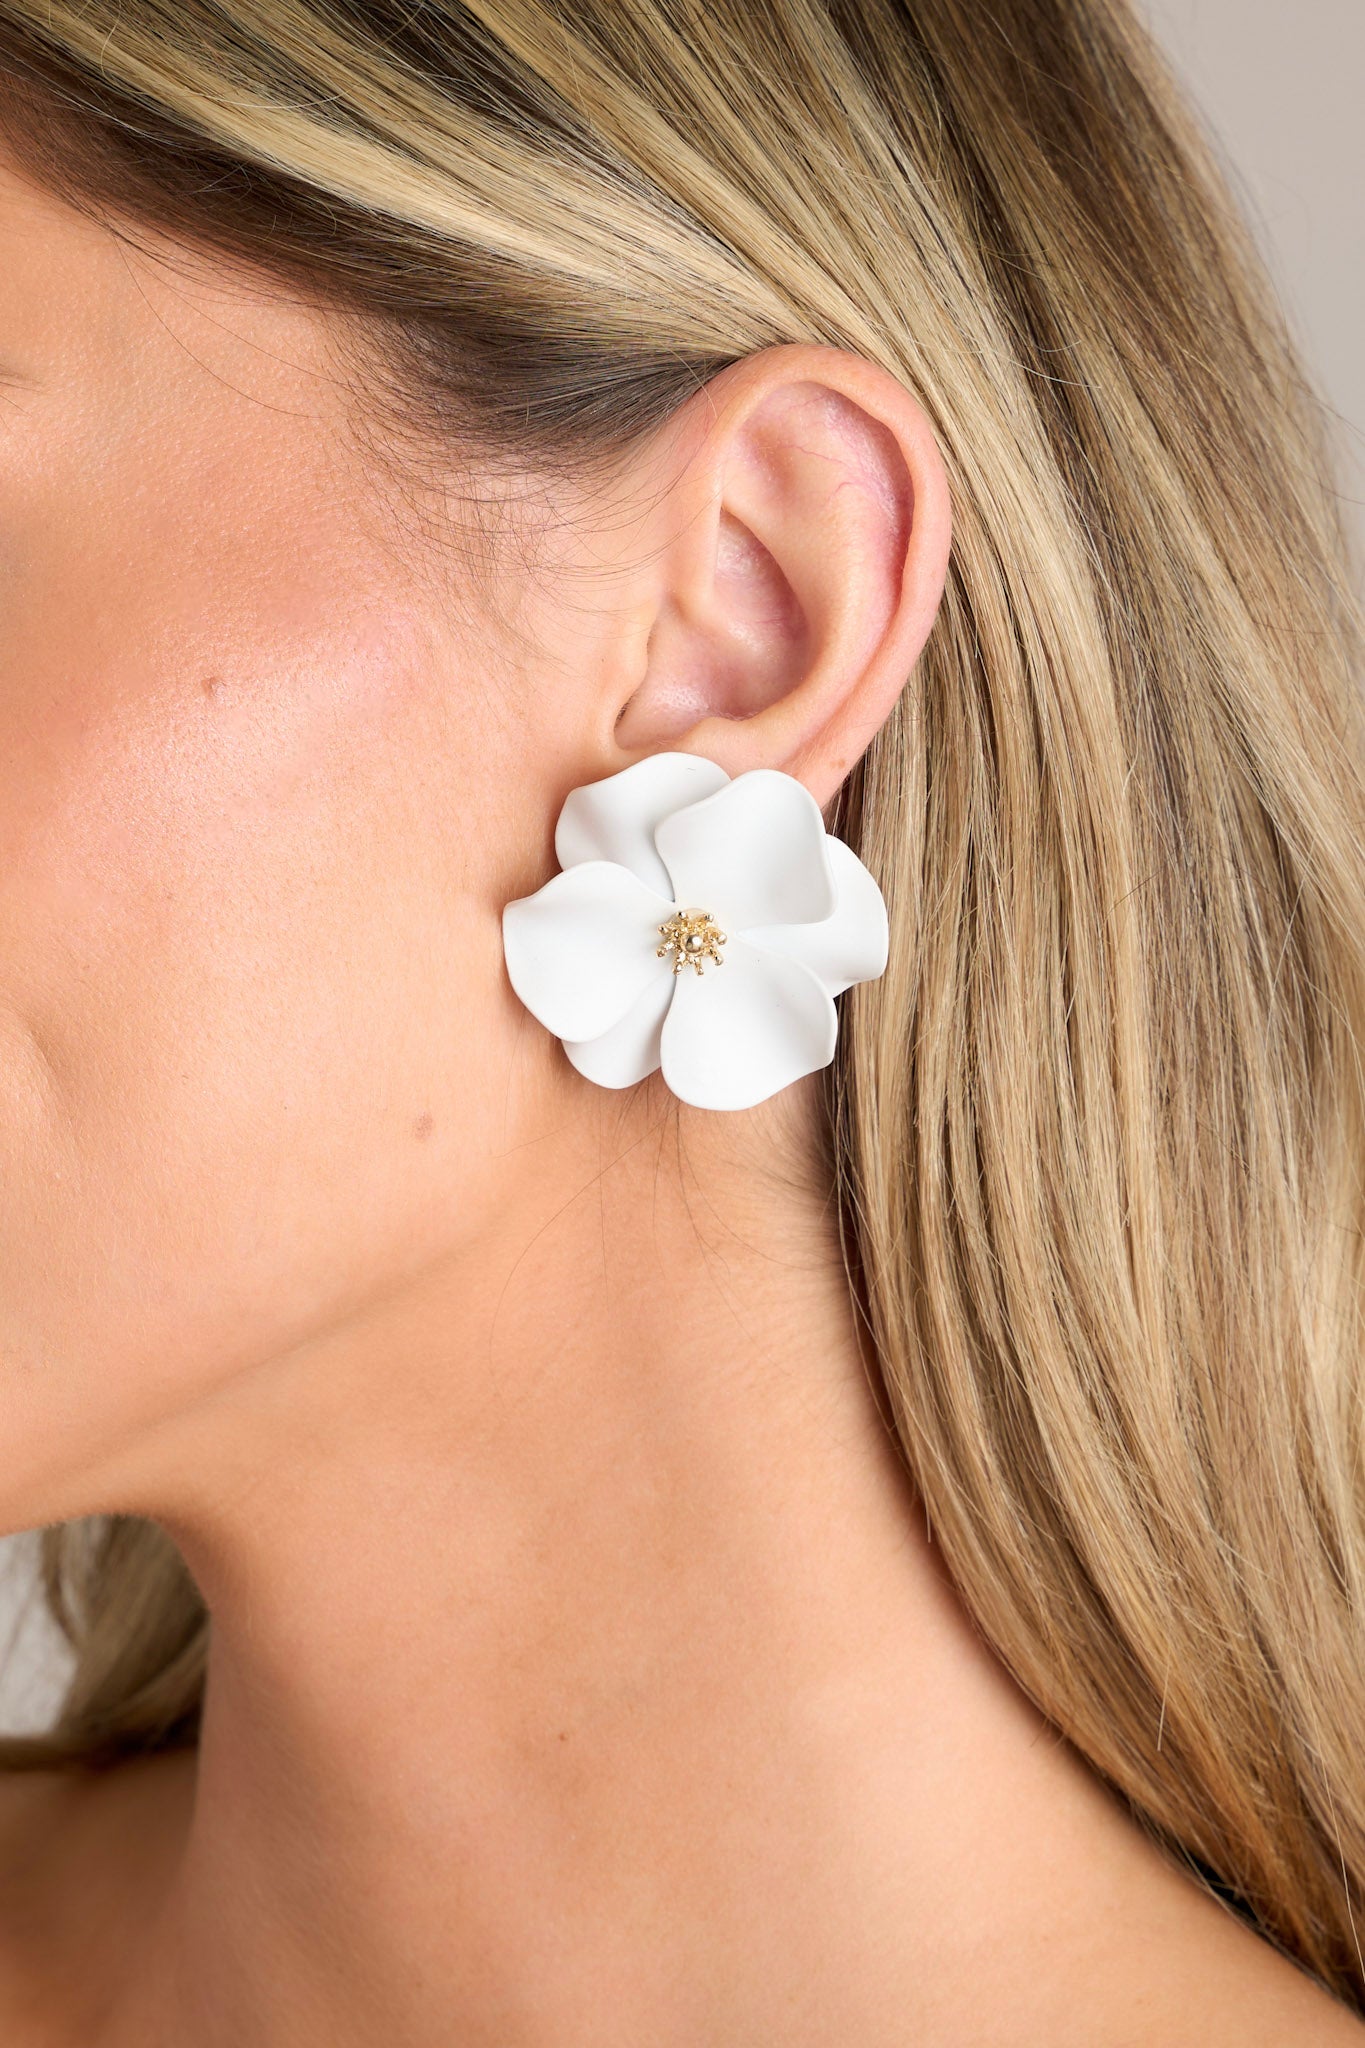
[[630, 1050], [847, 947], [615, 819], [752, 854], [582, 948], [736, 1034]]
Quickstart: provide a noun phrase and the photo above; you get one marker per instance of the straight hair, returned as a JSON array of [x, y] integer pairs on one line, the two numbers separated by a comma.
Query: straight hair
[[1097, 1133]]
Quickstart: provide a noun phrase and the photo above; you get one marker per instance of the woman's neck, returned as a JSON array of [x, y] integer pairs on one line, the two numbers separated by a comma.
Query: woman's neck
[[580, 1669]]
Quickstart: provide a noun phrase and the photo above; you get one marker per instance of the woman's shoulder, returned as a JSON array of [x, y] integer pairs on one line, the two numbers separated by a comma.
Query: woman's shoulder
[[85, 1856], [1161, 1959], [1241, 1993]]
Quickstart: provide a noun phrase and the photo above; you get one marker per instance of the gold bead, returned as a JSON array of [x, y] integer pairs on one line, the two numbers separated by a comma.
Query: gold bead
[[691, 937]]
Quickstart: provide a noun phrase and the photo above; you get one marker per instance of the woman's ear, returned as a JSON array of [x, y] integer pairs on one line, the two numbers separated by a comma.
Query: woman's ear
[[796, 564]]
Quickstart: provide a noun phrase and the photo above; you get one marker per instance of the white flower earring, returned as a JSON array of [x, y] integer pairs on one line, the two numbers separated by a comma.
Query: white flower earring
[[699, 924]]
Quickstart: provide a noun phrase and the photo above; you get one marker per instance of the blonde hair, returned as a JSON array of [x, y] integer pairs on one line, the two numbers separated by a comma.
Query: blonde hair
[[1098, 1132]]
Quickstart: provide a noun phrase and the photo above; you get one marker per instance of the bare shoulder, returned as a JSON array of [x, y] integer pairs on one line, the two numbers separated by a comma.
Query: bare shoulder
[[1198, 1972], [1275, 2005], [83, 1856], [1130, 1950]]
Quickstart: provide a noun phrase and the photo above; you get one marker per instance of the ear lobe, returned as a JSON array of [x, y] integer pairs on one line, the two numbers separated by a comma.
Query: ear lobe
[[802, 581]]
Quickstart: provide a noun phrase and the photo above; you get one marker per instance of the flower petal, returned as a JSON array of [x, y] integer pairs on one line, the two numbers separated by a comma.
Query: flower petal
[[614, 819], [752, 854], [736, 1034], [847, 947], [582, 948], [630, 1050]]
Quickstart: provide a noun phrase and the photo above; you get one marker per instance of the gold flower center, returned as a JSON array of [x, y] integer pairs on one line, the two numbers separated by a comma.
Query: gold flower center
[[690, 938]]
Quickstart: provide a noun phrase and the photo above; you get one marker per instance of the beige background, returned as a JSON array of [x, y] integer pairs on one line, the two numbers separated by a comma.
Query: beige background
[[1281, 88]]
